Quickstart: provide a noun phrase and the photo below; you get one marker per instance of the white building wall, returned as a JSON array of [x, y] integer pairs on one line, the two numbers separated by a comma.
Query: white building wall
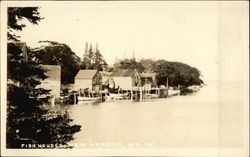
[[123, 82], [53, 82], [52, 85], [83, 83]]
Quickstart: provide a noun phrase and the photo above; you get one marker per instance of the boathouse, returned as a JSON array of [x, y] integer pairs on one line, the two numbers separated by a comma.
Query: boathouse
[[125, 79], [148, 80], [53, 82], [91, 79]]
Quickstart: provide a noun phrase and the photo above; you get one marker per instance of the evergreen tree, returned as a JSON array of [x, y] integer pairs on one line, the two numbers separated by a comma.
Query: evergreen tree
[[91, 56], [99, 62], [93, 59], [27, 119], [86, 59]]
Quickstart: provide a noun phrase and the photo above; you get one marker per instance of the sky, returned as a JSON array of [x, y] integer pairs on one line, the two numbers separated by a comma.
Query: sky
[[207, 35]]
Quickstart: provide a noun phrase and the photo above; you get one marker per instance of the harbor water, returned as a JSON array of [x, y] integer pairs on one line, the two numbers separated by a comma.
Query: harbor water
[[211, 117]]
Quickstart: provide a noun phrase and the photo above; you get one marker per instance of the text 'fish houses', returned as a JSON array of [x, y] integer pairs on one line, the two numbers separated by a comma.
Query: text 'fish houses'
[[90, 79], [125, 79]]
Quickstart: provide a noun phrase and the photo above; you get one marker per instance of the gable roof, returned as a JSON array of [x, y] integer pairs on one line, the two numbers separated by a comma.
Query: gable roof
[[86, 74], [125, 73], [145, 75]]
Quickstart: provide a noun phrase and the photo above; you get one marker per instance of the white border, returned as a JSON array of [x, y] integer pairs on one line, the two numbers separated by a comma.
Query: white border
[[3, 72], [107, 152]]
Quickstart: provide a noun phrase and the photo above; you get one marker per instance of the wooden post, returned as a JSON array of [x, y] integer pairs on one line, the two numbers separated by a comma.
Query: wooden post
[[74, 98], [136, 94], [131, 94], [140, 93], [167, 83], [127, 95]]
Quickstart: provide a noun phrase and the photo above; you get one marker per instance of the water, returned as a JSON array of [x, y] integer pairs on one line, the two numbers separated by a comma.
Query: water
[[211, 117]]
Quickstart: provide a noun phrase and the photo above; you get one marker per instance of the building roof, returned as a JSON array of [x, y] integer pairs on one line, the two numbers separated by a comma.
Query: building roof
[[86, 74], [53, 72], [125, 73], [144, 75]]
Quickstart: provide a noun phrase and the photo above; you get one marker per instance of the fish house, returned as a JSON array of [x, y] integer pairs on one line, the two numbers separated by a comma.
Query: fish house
[[88, 79], [148, 79], [126, 79], [53, 82]]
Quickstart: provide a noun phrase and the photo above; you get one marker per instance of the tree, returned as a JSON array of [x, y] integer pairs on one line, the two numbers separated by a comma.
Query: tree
[[99, 62], [86, 64], [129, 64], [15, 15], [148, 64], [54, 53], [177, 73], [27, 119], [93, 59]]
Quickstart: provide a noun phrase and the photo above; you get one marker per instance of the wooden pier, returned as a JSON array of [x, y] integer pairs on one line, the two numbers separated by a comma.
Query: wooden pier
[[142, 93], [134, 94]]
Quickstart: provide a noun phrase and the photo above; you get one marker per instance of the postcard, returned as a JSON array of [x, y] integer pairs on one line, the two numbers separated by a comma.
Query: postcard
[[125, 78]]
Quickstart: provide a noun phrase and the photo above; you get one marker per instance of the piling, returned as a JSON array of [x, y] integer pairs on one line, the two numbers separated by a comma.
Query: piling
[[74, 98], [140, 94], [131, 94]]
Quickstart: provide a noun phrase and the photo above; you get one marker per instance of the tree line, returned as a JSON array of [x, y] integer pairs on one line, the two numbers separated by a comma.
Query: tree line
[[53, 53], [173, 73]]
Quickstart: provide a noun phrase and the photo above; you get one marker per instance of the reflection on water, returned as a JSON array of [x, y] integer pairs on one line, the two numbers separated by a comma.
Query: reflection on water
[[208, 118]]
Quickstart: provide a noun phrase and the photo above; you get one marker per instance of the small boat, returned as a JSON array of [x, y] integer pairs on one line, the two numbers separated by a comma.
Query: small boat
[[114, 96], [173, 92], [118, 95], [94, 99], [151, 96]]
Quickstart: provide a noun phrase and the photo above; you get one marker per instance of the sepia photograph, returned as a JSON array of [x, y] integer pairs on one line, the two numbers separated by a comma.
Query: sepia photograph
[[125, 78]]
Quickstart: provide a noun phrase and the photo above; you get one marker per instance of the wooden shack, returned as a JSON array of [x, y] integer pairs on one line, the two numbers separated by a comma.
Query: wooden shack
[[88, 79], [126, 79], [53, 82], [148, 80]]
